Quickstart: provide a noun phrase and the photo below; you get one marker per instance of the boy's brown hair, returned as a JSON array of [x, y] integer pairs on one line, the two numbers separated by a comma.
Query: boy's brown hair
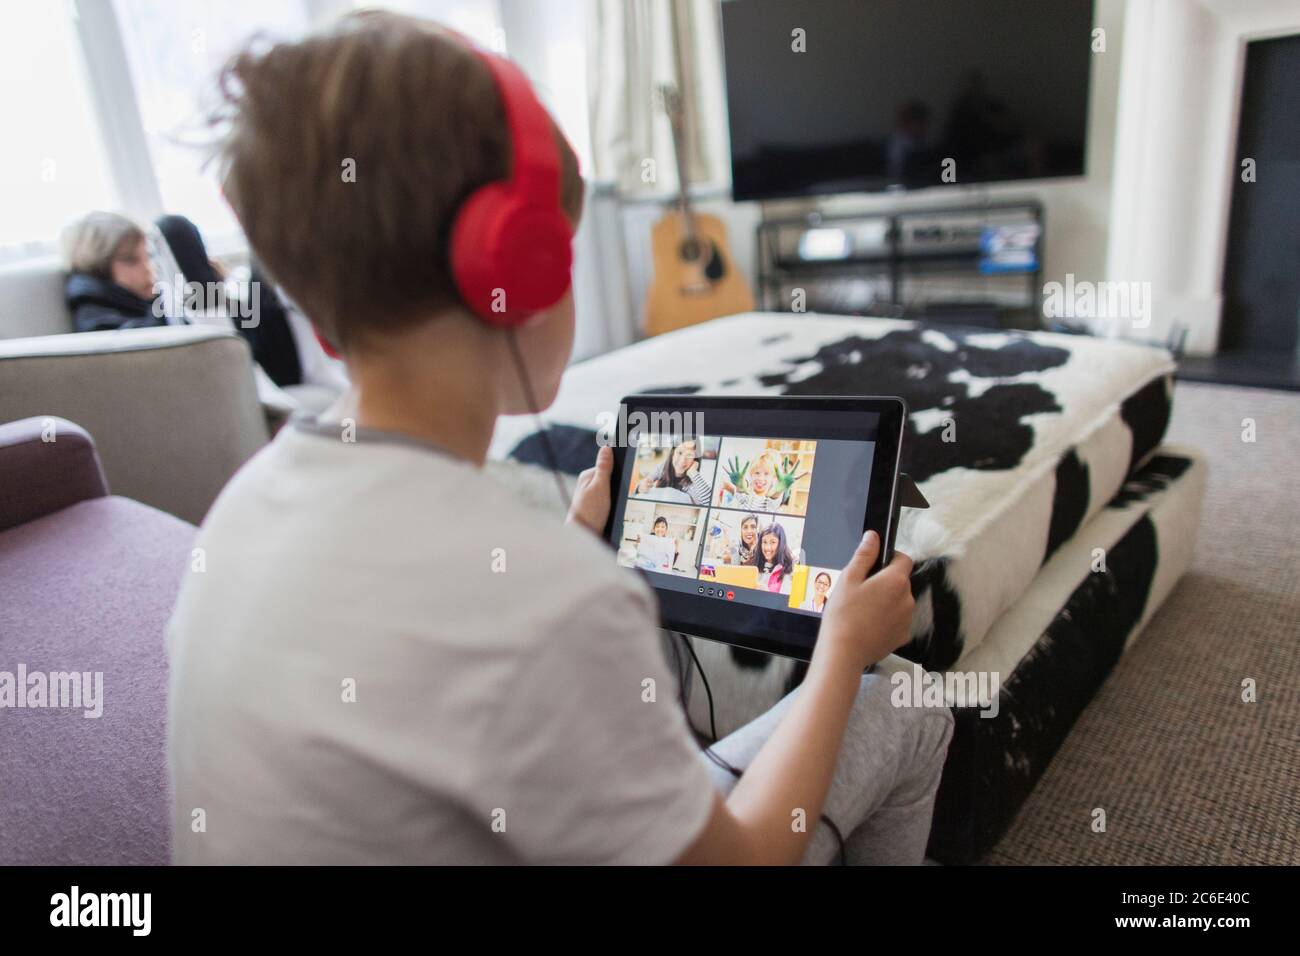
[[416, 117]]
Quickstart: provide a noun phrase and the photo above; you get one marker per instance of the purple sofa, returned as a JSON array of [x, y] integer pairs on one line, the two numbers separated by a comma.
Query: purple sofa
[[87, 581]]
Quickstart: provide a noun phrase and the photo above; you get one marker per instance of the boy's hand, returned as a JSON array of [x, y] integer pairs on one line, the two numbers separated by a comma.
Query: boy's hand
[[590, 507], [869, 617]]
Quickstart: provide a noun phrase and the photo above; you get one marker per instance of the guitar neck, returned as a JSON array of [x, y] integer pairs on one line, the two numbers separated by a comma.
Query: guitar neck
[[688, 214], [673, 106]]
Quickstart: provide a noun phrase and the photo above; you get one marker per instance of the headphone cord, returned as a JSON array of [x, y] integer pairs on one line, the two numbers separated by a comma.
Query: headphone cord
[[548, 449], [713, 732]]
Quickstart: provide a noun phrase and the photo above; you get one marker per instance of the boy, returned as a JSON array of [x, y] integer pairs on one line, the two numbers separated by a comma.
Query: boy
[[389, 659]]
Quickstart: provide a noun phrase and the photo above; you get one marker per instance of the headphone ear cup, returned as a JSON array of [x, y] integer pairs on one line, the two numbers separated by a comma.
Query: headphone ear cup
[[539, 240], [509, 257]]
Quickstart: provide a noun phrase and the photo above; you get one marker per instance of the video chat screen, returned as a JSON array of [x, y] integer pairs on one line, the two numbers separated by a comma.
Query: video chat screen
[[765, 516]]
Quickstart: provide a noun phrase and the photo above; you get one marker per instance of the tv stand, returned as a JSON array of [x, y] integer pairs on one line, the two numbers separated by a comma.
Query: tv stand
[[978, 264]]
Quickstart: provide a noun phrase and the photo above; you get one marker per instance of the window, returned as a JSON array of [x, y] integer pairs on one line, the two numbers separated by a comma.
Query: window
[[175, 51], [114, 95], [52, 166], [480, 20]]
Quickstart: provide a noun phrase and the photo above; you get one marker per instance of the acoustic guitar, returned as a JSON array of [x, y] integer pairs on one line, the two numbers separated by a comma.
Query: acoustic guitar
[[694, 277]]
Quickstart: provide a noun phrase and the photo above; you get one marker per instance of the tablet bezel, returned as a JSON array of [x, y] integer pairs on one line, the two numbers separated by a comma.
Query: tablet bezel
[[784, 633]]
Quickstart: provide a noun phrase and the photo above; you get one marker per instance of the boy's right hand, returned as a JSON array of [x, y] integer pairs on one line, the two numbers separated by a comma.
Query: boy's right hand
[[869, 617]]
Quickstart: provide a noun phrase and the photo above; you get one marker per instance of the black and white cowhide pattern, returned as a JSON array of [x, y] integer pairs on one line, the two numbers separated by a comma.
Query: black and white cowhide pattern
[[1015, 438], [1079, 616]]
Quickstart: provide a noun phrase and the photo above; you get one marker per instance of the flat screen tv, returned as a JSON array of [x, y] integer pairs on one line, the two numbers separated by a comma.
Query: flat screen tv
[[884, 91]]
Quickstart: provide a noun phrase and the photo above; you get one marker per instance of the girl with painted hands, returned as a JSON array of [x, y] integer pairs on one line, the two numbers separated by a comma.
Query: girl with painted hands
[[757, 491]]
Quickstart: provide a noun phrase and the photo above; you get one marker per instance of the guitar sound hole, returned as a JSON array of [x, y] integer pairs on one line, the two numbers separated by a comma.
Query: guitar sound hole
[[690, 250]]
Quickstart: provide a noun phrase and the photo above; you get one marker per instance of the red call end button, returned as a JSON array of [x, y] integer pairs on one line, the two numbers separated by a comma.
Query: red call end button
[[731, 595]]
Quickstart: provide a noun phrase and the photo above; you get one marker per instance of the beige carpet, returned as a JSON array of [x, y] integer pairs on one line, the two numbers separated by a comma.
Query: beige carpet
[[1186, 772]]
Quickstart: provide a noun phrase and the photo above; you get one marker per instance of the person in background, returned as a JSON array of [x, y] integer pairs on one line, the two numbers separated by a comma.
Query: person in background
[[110, 283], [269, 336], [114, 282]]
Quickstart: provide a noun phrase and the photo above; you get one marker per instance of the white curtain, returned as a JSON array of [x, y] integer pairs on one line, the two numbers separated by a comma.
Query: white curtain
[[633, 47], [601, 291]]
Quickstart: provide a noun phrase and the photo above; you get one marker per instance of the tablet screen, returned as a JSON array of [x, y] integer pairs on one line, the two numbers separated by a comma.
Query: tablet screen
[[746, 508]]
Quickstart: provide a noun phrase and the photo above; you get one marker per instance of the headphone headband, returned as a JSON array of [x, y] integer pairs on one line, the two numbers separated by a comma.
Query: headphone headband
[[535, 163]]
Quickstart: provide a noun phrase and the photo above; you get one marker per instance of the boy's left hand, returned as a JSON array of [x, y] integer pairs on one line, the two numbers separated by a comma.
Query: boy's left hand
[[590, 507]]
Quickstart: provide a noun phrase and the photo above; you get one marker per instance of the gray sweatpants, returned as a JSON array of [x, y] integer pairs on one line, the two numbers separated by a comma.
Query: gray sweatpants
[[882, 795]]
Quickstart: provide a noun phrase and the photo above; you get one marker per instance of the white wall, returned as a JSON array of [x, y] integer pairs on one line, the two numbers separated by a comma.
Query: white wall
[[1175, 151]]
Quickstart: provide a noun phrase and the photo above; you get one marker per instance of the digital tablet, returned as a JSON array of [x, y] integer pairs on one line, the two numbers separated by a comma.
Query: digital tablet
[[741, 512]]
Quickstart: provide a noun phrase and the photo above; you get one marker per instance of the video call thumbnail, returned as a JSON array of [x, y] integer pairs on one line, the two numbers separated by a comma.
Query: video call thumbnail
[[749, 551], [670, 470], [766, 475], [818, 583], [729, 511], [661, 538]]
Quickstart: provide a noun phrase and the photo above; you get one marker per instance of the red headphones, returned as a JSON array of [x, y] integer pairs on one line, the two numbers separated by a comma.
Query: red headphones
[[511, 248], [511, 252]]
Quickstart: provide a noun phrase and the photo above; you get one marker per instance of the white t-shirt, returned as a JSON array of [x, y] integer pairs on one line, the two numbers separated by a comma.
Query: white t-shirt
[[387, 658]]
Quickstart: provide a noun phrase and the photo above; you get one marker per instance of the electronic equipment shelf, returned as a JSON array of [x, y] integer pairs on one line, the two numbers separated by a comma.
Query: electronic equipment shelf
[[978, 264]]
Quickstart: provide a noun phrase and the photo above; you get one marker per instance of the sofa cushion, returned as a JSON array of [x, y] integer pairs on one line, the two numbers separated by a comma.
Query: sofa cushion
[[89, 589], [31, 298], [174, 409]]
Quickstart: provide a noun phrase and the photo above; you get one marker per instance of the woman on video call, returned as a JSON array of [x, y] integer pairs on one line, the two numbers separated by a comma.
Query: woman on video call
[[821, 590], [743, 552]]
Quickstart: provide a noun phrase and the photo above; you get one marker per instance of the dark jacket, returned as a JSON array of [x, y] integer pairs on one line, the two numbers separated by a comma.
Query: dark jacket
[[98, 304], [271, 339]]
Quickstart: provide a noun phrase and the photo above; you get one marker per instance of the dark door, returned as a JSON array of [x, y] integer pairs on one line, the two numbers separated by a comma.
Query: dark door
[[1261, 281]]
